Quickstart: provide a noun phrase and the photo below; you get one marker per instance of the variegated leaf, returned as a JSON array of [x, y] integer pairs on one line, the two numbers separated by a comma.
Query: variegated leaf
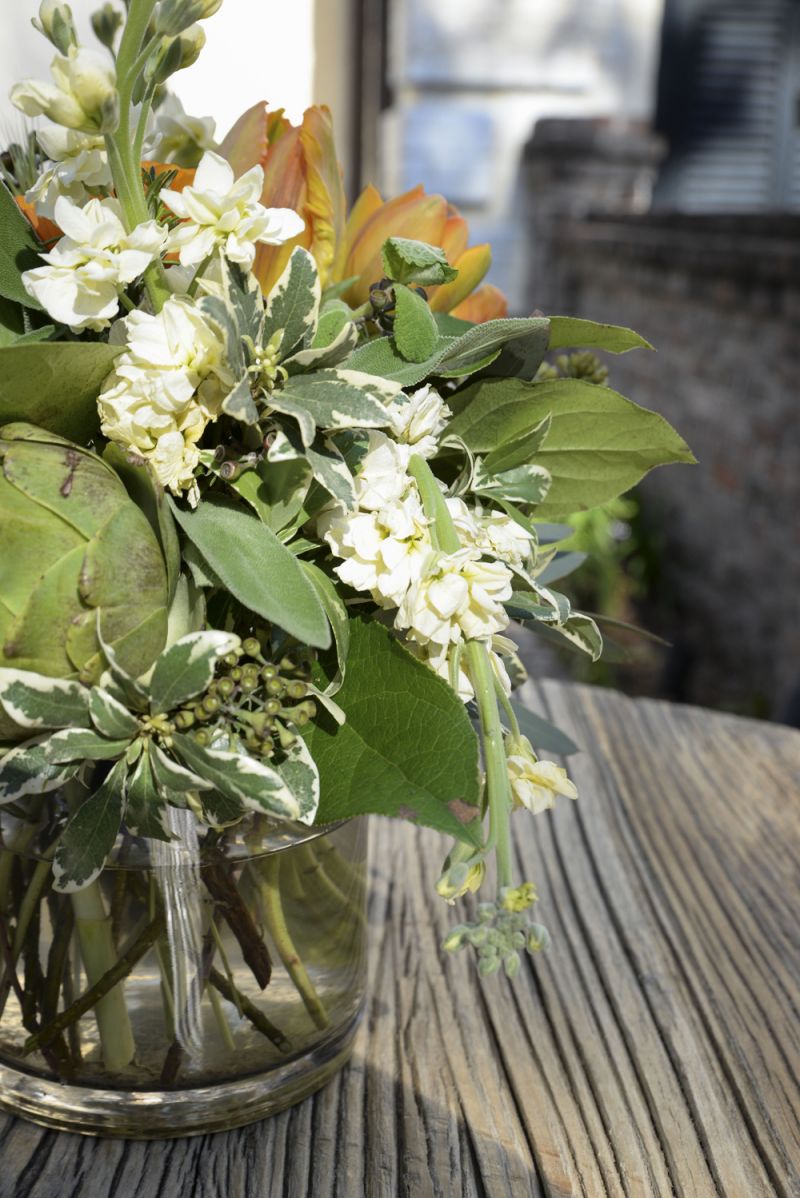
[[89, 835], [187, 667], [146, 811], [37, 702], [27, 770], [221, 313], [171, 776], [239, 403], [109, 716], [299, 772], [327, 464], [240, 777], [337, 615], [83, 744], [293, 304], [336, 402], [523, 484], [322, 356]]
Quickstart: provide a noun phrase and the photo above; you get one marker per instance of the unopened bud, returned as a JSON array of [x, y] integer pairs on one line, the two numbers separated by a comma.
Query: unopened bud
[[55, 21], [488, 965], [454, 940], [184, 719], [538, 938], [511, 965], [106, 23], [226, 687], [251, 646], [173, 16], [83, 94]]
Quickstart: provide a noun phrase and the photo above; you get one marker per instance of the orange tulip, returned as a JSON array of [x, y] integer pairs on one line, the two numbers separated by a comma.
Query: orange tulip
[[183, 178], [301, 172]]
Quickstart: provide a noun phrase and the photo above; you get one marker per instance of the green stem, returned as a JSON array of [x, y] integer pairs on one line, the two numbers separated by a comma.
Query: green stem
[[268, 872], [222, 1022], [482, 676], [103, 988], [93, 925], [497, 783]]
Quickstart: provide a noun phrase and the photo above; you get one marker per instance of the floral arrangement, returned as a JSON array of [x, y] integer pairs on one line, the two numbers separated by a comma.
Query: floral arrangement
[[276, 479]]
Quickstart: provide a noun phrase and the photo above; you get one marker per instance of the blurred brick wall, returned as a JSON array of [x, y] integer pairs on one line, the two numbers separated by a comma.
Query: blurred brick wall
[[719, 297]]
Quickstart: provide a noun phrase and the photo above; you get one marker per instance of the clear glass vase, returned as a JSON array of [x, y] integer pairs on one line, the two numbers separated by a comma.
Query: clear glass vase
[[194, 987]]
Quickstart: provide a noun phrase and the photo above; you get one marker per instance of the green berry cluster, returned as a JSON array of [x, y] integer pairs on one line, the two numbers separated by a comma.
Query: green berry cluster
[[501, 931], [581, 365], [256, 702]]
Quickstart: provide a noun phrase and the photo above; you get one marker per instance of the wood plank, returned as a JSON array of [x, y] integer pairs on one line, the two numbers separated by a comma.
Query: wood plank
[[654, 1051]]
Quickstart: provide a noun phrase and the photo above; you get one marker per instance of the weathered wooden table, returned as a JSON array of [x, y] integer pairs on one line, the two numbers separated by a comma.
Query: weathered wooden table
[[654, 1051]]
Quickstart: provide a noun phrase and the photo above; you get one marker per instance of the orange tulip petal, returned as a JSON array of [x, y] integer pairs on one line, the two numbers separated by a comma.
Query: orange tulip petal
[[368, 202], [284, 187], [456, 236], [45, 229], [487, 303], [412, 215], [325, 202], [246, 143], [471, 267]]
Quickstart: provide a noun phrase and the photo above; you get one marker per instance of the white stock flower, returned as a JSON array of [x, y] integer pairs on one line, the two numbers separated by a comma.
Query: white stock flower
[[82, 95], [494, 533], [418, 419], [92, 263], [165, 389], [381, 479], [217, 210], [441, 660], [535, 784], [458, 596], [383, 551], [76, 164], [175, 136]]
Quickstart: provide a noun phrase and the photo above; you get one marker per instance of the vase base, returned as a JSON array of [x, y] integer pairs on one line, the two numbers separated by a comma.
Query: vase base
[[168, 1114]]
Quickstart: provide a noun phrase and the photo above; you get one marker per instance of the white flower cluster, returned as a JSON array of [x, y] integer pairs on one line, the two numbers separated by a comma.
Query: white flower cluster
[[96, 259], [165, 388], [218, 211], [440, 600], [173, 133]]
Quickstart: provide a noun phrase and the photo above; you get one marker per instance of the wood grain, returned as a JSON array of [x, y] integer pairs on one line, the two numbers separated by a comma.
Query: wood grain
[[654, 1051]]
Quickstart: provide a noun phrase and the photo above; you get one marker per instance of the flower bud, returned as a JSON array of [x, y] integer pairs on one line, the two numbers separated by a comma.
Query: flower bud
[[83, 93], [56, 23], [519, 898], [488, 965], [175, 54], [173, 16], [106, 23], [455, 939], [459, 879], [538, 938], [251, 646], [511, 965]]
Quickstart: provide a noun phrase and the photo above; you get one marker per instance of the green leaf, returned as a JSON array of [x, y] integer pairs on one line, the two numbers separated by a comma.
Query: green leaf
[[90, 834], [19, 250], [109, 716], [26, 770], [541, 733], [83, 744], [568, 332], [146, 493], [242, 778], [337, 614], [276, 491], [146, 811], [407, 261], [327, 464], [470, 351], [415, 332], [599, 443], [256, 568], [239, 403], [187, 667], [634, 629], [518, 452], [293, 303], [55, 385], [561, 566], [34, 701], [407, 749]]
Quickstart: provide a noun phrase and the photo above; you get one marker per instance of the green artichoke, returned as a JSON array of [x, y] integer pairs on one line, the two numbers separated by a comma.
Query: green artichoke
[[76, 555]]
